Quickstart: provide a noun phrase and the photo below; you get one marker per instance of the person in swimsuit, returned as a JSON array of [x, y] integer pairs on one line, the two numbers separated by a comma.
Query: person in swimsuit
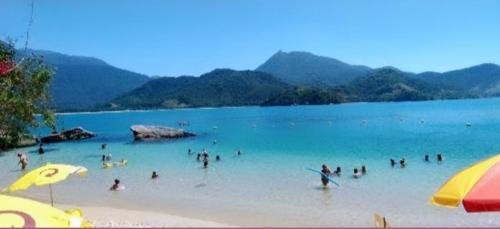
[[402, 162], [154, 175], [116, 186], [338, 171], [439, 157], [41, 150], [326, 172], [363, 170], [23, 160], [393, 162], [356, 173], [426, 158]]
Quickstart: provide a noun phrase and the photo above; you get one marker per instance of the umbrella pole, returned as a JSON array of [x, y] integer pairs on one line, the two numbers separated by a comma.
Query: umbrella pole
[[51, 198]]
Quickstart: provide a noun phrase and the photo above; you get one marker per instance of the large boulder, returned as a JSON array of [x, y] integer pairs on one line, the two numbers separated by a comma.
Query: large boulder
[[77, 133], [143, 132]]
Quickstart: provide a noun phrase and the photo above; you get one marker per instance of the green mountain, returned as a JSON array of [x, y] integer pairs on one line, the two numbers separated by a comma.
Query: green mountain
[[481, 79], [309, 96], [390, 84], [221, 87], [82, 83], [303, 68]]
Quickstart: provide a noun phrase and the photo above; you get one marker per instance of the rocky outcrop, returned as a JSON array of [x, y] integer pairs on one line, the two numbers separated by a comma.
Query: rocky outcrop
[[143, 132], [77, 133]]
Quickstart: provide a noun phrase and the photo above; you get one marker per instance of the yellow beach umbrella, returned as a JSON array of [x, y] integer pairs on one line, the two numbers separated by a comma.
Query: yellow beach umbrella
[[46, 175], [475, 187], [20, 212]]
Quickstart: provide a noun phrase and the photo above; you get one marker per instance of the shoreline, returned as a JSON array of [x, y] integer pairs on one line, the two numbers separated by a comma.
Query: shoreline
[[119, 217]]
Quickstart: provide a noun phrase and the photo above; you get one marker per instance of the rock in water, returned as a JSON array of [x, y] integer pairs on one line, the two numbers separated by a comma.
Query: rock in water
[[143, 132], [77, 133]]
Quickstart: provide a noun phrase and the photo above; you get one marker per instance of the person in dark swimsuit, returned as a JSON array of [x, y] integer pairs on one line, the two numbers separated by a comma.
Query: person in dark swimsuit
[[116, 186], [402, 162], [393, 162], [326, 172], [439, 157], [41, 150], [154, 175], [363, 170], [426, 158], [338, 170]]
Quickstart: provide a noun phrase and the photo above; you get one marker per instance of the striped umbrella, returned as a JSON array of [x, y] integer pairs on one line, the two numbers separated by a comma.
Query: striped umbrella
[[476, 187]]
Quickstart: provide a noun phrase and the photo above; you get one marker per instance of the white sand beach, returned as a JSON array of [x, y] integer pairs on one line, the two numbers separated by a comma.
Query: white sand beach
[[114, 217]]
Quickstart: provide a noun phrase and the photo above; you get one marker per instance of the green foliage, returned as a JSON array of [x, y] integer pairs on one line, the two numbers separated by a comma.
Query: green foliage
[[23, 94], [308, 96], [221, 87]]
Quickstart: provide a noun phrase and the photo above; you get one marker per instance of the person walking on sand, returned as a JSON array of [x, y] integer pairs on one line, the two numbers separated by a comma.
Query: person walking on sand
[[23, 160], [326, 172]]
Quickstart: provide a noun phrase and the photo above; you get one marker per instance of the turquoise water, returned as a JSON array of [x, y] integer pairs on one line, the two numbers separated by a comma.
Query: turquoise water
[[268, 184]]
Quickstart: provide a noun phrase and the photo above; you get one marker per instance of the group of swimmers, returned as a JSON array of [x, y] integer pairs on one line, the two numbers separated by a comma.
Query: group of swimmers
[[402, 161], [357, 173]]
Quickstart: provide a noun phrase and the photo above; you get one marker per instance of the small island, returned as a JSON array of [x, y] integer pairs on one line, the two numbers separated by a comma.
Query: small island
[[77, 133]]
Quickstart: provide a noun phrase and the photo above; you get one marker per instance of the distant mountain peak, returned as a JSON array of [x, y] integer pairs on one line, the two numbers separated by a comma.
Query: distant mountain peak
[[305, 68]]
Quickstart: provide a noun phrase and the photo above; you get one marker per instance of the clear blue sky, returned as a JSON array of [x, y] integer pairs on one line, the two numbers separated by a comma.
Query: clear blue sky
[[174, 37]]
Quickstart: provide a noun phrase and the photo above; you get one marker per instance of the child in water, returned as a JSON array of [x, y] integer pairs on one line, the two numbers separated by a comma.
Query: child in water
[[356, 173], [116, 186], [337, 171], [326, 171]]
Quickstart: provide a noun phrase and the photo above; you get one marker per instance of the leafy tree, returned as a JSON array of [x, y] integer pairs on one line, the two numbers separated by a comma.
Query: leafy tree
[[24, 87]]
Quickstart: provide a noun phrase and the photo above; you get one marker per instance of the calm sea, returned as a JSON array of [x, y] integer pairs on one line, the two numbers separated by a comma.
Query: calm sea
[[268, 184]]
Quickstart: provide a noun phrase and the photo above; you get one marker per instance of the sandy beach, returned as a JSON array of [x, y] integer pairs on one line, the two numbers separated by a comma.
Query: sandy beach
[[114, 217]]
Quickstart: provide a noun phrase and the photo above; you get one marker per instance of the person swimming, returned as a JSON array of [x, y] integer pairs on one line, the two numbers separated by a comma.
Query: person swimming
[[338, 171], [356, 173], [393, 162], [103, 146], [41, 150], [363, 170], [402, 162], [116, 186], [426, 158], [217, 158], [154, 175], [23, 160], [326, 172], [439, 157]]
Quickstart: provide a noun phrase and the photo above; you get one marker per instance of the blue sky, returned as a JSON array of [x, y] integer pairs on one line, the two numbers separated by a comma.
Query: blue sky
[[175, 37]]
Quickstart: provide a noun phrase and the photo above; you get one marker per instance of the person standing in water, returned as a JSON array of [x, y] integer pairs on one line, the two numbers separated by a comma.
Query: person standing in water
[[23, 160], [426, 158], [356, 173], [393, 162], [402, 162], [103, 158], [217, 158], [326, 172], [154, 175], [40, 149], [363, 170], [205, 162], [103, 146], [439, 157], [189, 152]]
